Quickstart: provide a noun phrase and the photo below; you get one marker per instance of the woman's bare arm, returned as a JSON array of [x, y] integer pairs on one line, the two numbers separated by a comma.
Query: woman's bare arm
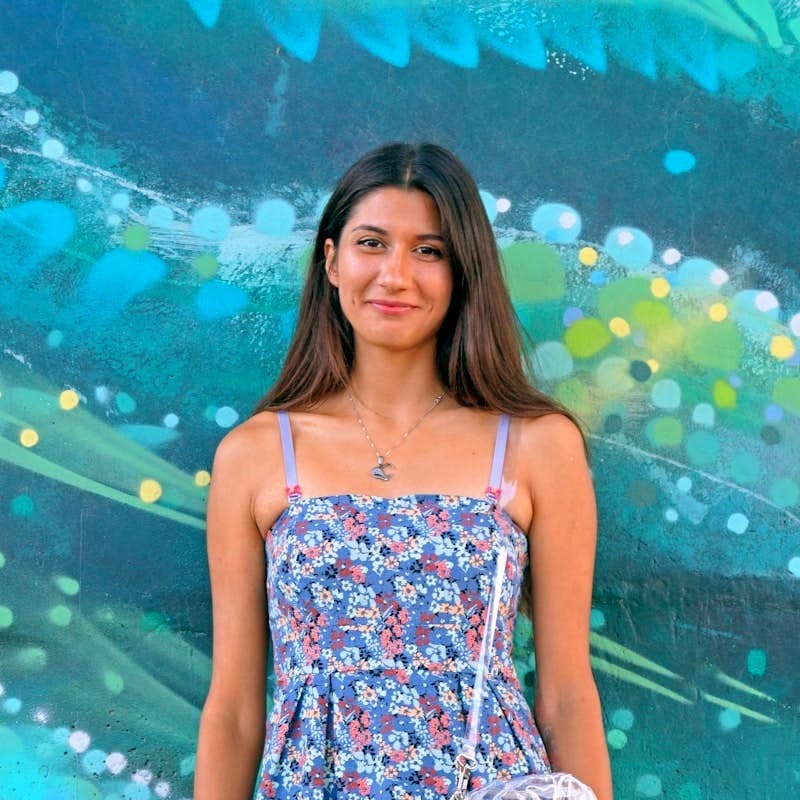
[[563, 538], [231, 737]]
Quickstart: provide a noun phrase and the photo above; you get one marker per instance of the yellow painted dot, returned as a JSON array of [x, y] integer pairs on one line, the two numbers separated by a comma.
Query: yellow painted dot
[[718, 312], [781, 347], [68, 399], [653, 364], [660, 287], [619, 326], [202, 477], [149, 490], [587, 256], [28, 437]]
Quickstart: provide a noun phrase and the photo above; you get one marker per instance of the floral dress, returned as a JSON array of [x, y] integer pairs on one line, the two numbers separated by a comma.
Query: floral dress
[[376, 610]]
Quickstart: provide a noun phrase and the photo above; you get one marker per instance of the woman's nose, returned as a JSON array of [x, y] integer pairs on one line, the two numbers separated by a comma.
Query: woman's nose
[[396, 268]]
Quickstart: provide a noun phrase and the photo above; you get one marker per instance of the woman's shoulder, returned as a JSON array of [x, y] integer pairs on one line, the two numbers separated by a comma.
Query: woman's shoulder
[[257, 436]]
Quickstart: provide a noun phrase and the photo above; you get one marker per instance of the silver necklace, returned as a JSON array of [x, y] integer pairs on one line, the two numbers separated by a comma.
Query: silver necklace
[[379, 470]]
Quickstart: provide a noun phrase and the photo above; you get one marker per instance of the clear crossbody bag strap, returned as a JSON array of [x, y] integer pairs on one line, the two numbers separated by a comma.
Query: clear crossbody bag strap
[[465, 761]]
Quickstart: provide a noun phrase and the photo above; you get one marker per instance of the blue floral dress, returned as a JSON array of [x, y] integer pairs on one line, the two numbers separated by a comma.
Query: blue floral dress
[[376, 609]]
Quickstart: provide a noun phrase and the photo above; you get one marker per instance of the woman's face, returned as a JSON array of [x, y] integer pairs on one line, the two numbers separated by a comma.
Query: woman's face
[[391, 268]]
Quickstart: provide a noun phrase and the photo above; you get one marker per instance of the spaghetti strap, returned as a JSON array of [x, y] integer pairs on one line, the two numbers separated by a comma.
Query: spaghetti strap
[[496, 475], [289, 464]]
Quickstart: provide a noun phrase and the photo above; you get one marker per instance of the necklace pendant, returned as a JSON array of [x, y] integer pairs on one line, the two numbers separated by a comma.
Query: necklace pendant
[[379, 470]]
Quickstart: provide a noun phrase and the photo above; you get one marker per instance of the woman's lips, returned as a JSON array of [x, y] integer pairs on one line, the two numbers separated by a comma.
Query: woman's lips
[[390, 308]]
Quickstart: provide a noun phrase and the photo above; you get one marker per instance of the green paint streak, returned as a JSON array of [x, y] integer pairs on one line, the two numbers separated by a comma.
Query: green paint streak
[[534, 272], [743, 710], [786, 393], [586, 337], [718, 345], [794, 26], [762, 14], [743, 687], [22, 457], [631, 656], [719, 14], [619, 299], [637, 680]]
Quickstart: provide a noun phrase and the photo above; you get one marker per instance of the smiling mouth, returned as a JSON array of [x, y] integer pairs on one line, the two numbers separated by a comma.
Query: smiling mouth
[[390, 306]]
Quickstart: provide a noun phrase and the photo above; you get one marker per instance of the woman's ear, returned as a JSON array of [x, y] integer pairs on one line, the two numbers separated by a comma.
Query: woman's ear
[[330, 262]]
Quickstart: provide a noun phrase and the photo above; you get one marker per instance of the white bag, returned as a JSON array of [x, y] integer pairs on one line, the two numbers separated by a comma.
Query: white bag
[[550, 786]]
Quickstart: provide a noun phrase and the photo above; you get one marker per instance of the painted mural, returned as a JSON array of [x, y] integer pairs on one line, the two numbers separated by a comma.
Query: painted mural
[[162, 166]]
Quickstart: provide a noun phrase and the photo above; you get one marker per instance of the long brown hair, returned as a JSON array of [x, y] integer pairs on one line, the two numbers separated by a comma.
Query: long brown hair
[[481, 356]]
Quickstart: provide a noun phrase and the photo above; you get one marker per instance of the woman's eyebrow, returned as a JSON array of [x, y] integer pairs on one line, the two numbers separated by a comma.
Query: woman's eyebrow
[[384, 232]]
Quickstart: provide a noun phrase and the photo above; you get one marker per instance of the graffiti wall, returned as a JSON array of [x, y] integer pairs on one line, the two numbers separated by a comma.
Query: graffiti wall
[[162, 166]]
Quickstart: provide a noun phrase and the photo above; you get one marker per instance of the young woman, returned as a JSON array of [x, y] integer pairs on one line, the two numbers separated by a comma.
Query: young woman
[[362, 475]]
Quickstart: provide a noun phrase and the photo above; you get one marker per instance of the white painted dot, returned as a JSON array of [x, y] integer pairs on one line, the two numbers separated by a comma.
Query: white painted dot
[[226, 416], [2, 690], [52, 148], [671, 515], [31, 117], [567, 219], [79, 741], [113, 220], [143, 776], [102, 394], [40, 716], [737, 523], [718, 277], [794, 566], [794, 324], [671, 256], [84, 185], [503, 204], [171, 420], [765, 301], [163, 789], [624, 237], [116, 762], [9, 82], [684, 484]]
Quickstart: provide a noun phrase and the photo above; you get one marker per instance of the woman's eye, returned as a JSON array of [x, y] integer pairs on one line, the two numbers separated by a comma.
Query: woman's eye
[[434, 252], [370, 242]]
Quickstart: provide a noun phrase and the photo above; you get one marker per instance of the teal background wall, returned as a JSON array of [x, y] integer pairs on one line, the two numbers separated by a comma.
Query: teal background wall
[[162, 165]]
